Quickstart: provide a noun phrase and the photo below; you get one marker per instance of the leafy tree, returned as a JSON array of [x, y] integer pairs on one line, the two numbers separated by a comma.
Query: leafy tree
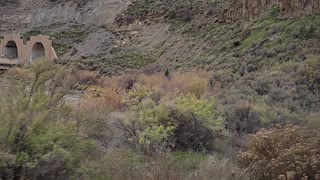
[[38, 140]]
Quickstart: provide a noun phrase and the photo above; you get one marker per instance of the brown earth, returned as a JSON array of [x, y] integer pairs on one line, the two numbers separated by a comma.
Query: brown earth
[[98, 43]]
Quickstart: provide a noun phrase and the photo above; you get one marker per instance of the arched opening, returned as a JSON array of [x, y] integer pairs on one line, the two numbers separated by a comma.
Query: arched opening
[[37, 51], [11, 50]]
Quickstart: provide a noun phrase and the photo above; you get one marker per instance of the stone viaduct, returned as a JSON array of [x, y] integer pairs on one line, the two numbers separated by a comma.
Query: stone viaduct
[[14, 50]]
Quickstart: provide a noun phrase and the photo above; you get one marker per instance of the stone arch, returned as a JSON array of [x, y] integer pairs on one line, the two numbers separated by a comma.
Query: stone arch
[[10, 50], [37, 51]]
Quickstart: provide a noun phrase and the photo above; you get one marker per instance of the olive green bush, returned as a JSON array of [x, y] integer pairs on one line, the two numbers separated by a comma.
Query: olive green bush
[[157, 122]]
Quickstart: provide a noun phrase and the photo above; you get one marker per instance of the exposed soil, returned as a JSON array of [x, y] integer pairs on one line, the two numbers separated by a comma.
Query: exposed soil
[[97, 44]]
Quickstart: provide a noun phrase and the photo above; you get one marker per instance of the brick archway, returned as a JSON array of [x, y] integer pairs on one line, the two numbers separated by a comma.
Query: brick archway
[[11, 47], [14, 51], [10, 50], [39, 46], [37, 51]]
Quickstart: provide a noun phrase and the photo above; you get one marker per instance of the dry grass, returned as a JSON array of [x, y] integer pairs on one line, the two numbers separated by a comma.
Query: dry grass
[[21, 73], [97, 97], [219, 169], [128, 165], [195, 83], [87, 77], [288, 152]]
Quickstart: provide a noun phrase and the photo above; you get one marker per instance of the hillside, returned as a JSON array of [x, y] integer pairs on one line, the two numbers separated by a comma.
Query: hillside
[[183, 89], [268, 57], [178, 35]]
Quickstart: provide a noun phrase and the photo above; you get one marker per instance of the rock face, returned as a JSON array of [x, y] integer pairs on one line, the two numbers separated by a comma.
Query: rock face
[[98, 12], [26, 13], [15, 16], [103, 12], [249, 9]]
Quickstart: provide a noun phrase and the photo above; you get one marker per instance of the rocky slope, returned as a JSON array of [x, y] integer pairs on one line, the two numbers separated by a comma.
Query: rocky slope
[[21, 14], [26, 13], [188, 34], [98, 12], [112, 36]]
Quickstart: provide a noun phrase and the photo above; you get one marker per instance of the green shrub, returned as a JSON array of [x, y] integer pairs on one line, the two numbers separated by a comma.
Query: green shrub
[[155, 122]]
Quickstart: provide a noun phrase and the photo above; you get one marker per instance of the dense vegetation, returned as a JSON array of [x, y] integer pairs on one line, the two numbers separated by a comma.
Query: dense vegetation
[[251, 110], [138, 126], [44, 135]]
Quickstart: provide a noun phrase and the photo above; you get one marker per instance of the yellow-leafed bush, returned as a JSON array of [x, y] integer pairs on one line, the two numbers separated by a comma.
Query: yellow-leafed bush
[[289, 152]]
